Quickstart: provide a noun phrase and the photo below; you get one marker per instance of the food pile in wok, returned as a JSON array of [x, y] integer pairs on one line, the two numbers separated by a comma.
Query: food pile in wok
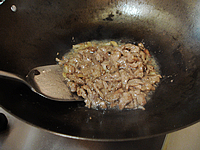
[[110, 74]]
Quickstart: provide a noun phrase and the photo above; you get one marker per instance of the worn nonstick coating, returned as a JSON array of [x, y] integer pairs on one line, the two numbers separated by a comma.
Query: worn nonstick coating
[[34, 34]]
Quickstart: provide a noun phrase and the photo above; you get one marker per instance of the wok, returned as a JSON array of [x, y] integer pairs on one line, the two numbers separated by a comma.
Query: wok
[[39, 31]]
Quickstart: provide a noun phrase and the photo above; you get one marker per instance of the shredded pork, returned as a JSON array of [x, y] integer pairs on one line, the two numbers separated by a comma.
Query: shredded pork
[[111, 75]]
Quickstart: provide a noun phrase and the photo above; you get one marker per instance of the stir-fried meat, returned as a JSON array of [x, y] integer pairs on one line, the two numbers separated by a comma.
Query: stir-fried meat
[[147, 87], [81, 92], [72, 86], [99, 84], [110, 76], [87, 88], [124, 77], [116, 95], [134, 82], [96, 71], [103, 105], [125, 99], [138, 73], [115, 55], [98, 57], [141, 99], [98, 91], [68, 69], [152, 79], [76, 79]]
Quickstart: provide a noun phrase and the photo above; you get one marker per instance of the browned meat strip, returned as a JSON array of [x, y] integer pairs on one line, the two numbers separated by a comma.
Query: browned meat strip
[[135, 82], [81, 92], [141, 99], [98, 57], [72, 86], [98, 91], [116, 95], [87, 88], [115, 56], [99, 84], [76, 79], [68, 69], [125, 99]]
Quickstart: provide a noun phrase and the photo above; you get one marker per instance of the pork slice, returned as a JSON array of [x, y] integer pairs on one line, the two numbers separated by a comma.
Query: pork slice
[[143, 56], [149, 68], [116, 95], [93, 96], [141, 46], [106, 65], [87, 88], [135, 92], [119, 49], [117, 86], [147, 52], [125, 99], [124, 76], [76, 79], [108, 77], [135, 49], [138, 86], [87, 103], [115, 56], [106, 48], [126, 53], [99, 83], [98, 57], [122, 60], [131, 72], [132, 104], [73, 61], [95, 102], [131, 58], [98, 91], [68, 68], [105, 85], [113, 86], [89, 83], [87, 58], [115, 75], [81, 92], [72, 86], [113, 104], [141, 99], [91, 49], [86, 72], [135, 81], [102, 105], [152, 79], [139, 96], [132, 65], [147, 87], [96, 70], [138, 73], [132, 47]]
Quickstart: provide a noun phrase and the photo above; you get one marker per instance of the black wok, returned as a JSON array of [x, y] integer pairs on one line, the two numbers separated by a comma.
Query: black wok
[[38, 30]]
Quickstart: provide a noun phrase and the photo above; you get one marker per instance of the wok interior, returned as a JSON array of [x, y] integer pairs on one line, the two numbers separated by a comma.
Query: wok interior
[[38, 31]]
